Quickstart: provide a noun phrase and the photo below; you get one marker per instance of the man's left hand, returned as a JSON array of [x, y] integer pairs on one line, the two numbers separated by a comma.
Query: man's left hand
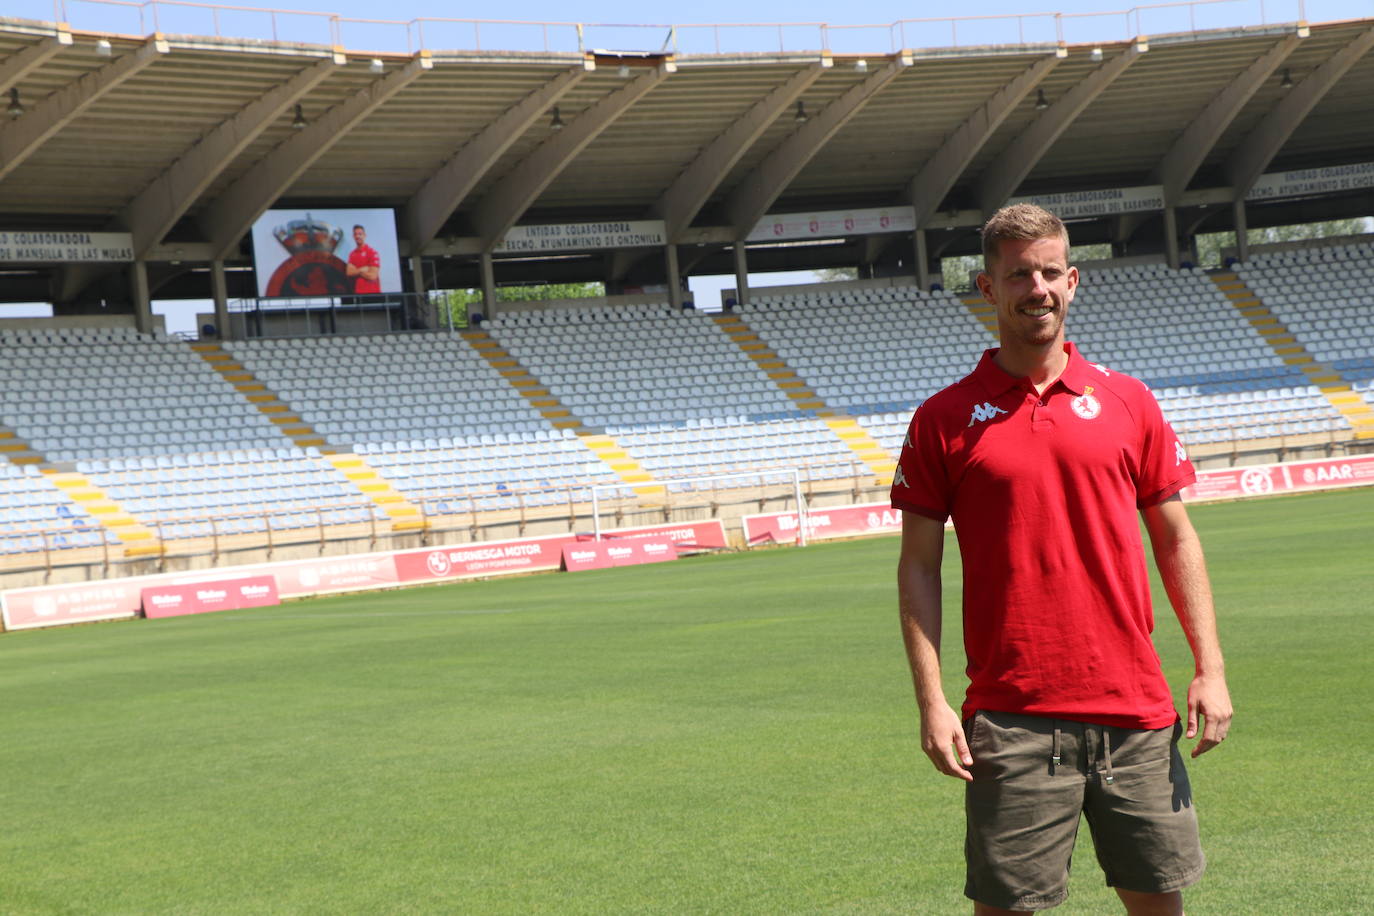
[[1209, 700]]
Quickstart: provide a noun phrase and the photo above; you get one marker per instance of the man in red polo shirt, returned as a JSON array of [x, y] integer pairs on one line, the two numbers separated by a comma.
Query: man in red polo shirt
[[364, 264], [1043, 460]]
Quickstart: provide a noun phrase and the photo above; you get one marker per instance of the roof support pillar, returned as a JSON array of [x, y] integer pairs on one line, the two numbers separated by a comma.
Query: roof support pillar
[[674, 276], [922, 256], [1171, 255], [219, 291], [143, 303], [1242, 233], [488, 272], [741, 274]]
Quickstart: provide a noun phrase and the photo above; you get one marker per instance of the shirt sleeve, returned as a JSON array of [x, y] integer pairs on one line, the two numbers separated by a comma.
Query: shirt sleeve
[[921, 482], [1164, 467], [373, 258]]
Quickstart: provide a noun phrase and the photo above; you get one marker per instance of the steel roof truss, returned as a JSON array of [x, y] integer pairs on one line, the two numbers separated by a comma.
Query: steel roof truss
[[501, 207], [434, 203], [689, 192], [21, 138], [751, 200], [1253, 155], [1008, 170], [231, 215], [943, 169]]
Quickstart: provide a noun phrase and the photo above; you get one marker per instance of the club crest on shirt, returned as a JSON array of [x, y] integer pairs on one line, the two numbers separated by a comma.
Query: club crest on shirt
[[1085, 405]]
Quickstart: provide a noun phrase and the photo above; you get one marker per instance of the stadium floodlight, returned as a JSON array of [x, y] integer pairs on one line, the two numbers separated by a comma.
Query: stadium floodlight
[[800, 117], [298, 122], [557, 122], [861, 65], [623, 72], [1095, 54], [1287, 81], [16, 108], [102, 47], [377, 66], [1041, 103]]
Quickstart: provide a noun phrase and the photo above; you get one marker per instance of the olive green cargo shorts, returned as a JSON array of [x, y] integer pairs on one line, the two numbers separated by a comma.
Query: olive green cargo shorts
[[1033, 777]]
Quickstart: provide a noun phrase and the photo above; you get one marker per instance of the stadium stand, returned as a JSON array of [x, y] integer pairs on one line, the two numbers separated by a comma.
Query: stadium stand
[[876, 353], [40, 516], [1321, 294], [70, 392], [440, 417], [429, 413], [1216, 377], [671, 389]]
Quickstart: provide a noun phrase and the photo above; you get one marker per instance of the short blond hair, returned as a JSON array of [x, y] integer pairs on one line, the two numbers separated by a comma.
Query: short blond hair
[[1023, 223]]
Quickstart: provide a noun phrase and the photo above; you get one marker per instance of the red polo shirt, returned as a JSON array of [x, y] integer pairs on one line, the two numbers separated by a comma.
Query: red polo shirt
[[1044, 492], [365, 256]]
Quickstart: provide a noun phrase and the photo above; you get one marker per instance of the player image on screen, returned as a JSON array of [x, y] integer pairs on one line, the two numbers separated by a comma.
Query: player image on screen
[[364, 264]]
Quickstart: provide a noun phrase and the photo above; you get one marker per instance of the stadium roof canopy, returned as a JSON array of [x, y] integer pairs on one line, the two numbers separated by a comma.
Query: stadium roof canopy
[[184, 140]]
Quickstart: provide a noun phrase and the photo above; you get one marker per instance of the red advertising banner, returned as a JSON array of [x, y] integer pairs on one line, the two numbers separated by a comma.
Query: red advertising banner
[[167, 600], [630, 551], [832, 522], [1294, 477], [688, 537], [346, 573], [55, 605], [460, 561], [585, 555]]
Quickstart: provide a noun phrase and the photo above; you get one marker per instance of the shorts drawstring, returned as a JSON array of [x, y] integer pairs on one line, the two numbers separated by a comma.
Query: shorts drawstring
[[1107, 754], [1054, 757]]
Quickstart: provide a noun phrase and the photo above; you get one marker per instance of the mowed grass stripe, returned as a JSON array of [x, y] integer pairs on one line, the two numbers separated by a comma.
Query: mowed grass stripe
[[730, 734]]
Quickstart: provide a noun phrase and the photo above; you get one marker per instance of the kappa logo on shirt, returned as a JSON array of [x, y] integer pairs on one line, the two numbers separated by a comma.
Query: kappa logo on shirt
[[1180, 453], [899, 478], [1101, 368], [984, 412]]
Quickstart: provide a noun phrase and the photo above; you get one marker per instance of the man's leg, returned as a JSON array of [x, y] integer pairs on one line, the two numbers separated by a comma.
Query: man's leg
[[1138, 904], [1023, 808]]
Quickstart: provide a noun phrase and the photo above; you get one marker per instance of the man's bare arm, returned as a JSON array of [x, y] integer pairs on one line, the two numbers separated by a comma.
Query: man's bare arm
[[1178, 554], [918, 595]]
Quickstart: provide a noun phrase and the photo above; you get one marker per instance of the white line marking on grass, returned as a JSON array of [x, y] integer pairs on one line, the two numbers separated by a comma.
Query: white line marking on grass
[[371, 614]]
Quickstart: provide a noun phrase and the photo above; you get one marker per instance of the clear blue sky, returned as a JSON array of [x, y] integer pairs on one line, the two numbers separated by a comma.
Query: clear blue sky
[[1107, 22], [1078, 25]]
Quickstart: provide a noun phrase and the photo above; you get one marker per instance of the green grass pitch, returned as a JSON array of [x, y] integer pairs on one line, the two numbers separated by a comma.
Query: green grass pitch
[[727, 734]]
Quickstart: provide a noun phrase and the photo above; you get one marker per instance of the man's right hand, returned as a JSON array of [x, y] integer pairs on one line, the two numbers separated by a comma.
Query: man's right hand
[[942, 738]]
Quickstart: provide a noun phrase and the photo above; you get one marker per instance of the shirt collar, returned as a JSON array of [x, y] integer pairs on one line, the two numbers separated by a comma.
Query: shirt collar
[[997, 381]]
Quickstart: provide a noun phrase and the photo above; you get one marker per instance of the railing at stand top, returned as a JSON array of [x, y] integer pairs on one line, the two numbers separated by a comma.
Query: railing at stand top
[[509, 35]]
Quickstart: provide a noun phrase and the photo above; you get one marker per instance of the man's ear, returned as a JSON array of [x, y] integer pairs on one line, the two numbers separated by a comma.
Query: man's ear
[[984, 286]]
